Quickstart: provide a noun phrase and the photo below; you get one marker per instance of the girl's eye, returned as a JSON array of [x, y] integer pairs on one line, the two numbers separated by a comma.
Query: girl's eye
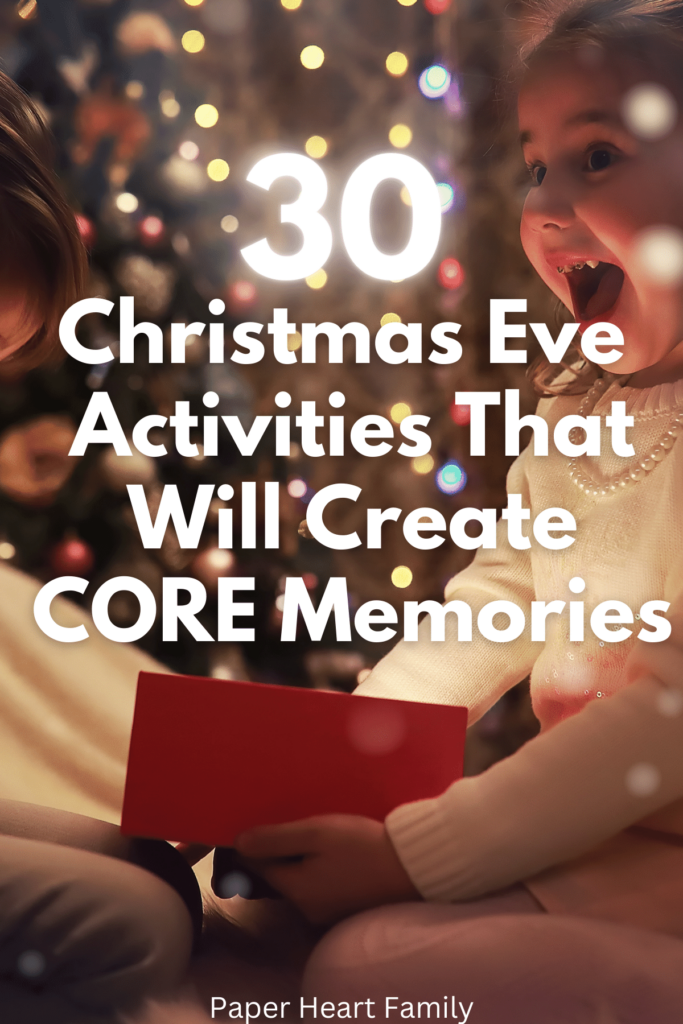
[[537, 173], [599, 159]]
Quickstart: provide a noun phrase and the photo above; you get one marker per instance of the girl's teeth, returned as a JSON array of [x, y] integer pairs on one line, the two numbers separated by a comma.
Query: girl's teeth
[[578, 266]]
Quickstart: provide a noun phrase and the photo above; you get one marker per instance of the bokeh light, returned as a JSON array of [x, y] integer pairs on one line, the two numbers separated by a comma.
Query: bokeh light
[[230, 224], [291, 5], [317, 280], [407, 3], [402, 577], [437, 6], [312, 57], [423, 464], [400, 136], [134, 90], [649, 110], [434, 81], [193, 41], [169, 104], [188, 150], [316, 147], [643, 779], [242, 293], [294, 342], [206, 115], [451, 478], [7, 550], [218, 170], [126, 202], [399, 411], [451, 274], [390, 318], [396, 63], [297, 488], [446, 196], [405, 197], [460, 414], [152, 228], [194, 3], [659, 251]]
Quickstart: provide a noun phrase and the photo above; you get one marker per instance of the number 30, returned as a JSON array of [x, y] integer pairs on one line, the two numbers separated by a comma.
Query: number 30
[[355, 217]]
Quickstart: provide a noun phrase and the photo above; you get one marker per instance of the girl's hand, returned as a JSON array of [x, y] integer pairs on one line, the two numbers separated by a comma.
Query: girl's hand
[[329, 866]]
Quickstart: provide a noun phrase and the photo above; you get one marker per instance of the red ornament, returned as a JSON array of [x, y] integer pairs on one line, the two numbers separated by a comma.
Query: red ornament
[[86, 230], [450, 274], [460, 414], [72, 557], [437, 6]]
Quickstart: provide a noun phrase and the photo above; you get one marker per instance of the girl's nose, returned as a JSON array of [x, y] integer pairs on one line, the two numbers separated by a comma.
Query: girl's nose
[[548, 207]]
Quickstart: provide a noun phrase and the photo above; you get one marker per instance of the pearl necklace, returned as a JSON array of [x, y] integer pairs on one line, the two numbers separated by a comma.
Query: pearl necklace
[[664, 445]]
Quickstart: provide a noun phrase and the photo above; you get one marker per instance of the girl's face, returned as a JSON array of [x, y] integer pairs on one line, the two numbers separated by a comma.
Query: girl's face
[[595, 188]]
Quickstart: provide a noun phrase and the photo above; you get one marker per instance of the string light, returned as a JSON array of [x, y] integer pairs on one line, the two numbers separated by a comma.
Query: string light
[[188, 150], [423, 464], [230, 224], [316, 147], [390, 318], [451, 478], [399, 411], [206, 115], [450, 274], [400, 136], [402, 577], [218, 170], [193, 41], [317, 280], [397, 63], [434, 81], [126, 202], [312, 57]]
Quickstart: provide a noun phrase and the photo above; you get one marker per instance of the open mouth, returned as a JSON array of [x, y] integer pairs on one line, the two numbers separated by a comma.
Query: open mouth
[[594, 287]]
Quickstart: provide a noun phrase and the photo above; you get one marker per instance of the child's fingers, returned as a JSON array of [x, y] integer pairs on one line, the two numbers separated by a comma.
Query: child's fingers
[[270, 841]]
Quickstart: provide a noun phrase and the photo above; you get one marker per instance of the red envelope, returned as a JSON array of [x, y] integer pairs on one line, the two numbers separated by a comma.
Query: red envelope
[[210, 758]]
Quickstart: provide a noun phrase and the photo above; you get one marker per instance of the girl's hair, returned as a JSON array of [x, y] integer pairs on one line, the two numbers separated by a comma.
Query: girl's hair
[[647, 34], [41, 251]]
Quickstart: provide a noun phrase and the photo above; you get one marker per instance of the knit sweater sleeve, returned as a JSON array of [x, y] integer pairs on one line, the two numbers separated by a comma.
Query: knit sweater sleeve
[[473, 673], [566, 791]]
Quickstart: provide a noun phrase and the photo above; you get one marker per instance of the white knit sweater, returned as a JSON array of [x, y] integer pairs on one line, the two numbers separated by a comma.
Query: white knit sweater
[[571, 787]]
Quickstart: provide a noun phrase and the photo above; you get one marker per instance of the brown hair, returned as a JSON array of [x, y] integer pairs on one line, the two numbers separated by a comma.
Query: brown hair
[[41, 248], [648, 33]]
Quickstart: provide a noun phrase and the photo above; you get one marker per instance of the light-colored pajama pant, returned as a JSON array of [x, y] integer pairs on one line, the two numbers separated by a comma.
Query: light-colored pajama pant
[[83, 933], [504, 955]]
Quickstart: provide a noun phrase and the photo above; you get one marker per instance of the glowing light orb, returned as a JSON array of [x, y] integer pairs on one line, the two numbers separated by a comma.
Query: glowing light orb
[[152, 228], [390, 318], [134, 90], [126, 202], [659, 251], [399, 411], [297, 488], [206, 115], [229, 224], [400, 136], [316, 147], [450, 274], [434, 81], [193, 41], [242, 293], [291, 5], [437, 6], [317, 280], [194, 3], [407, 3], [460, 414], [451, 478], [423, 464], [169, 104], [188, 150], [294, 342], [405, 197], [446, 196], [396, 64], [312, 57], [402, 577], [218, 170], [650, 110]]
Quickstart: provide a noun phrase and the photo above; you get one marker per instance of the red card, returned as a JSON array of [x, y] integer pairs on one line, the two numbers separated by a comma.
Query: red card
[[210, 758]]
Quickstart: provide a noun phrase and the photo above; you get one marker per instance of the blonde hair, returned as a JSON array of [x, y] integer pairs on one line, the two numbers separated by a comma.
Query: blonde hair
[[41, 249], [648, 33]]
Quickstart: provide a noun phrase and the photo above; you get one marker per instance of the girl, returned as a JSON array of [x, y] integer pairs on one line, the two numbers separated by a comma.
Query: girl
[[546, 903], [82, 935]]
